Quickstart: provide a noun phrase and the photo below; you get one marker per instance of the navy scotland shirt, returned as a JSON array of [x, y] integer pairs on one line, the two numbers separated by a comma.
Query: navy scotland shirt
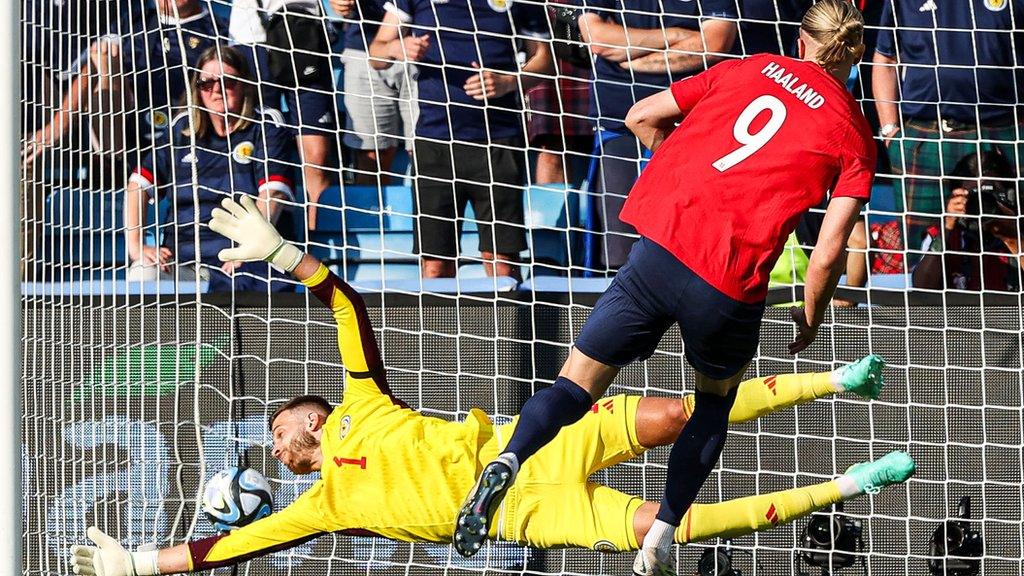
[[616, 89], [463, 32], [956, 58], [248, 161]]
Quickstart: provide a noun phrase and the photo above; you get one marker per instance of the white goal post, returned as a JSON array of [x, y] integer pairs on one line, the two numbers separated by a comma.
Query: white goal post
[[11, 530]]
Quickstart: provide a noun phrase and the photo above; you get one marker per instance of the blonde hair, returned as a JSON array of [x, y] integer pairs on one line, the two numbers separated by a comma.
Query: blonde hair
[[838, 27], [200, 116]]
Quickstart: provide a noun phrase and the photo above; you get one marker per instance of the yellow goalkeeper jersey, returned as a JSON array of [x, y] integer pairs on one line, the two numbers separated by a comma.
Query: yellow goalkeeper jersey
[[391, 471], [387, 470]]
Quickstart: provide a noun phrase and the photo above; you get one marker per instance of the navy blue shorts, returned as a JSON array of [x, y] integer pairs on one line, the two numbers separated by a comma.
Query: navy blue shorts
[[308, 110], [653, 291], [311, 111]]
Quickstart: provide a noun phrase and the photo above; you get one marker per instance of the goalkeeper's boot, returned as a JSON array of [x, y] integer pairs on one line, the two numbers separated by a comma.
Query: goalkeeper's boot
[[474, 520], [863, 377], [652, 562], [893, 468]]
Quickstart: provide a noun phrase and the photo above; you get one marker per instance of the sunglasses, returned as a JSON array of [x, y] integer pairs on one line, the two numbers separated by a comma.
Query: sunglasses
[[211, 84]]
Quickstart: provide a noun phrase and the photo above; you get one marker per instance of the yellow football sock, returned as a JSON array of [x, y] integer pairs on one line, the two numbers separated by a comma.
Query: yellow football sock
[[746, 515], [759, 396]]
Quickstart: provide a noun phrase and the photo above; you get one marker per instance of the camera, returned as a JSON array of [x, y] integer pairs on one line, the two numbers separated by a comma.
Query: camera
[[956, 547], [831, 541], [989, 198]]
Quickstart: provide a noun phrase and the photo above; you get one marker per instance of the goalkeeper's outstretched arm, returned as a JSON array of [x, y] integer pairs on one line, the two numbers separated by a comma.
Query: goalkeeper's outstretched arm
[[356, 341], [283, 529], [256, 239]]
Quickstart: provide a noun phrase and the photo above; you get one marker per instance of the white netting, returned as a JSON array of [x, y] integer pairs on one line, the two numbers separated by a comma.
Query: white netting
[[137, 390]]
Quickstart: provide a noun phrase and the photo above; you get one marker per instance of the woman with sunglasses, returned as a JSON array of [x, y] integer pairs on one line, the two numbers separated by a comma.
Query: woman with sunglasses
[[222, 145]]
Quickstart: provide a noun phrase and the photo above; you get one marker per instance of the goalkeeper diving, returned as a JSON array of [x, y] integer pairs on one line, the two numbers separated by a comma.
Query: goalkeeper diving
[[386, 470]]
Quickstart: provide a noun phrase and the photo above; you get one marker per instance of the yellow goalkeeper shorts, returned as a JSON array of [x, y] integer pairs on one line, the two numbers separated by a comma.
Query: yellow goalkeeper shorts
[[552, 505]]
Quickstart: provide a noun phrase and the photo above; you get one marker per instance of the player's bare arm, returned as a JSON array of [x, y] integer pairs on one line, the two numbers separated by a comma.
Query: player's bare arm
[[653, 119], [284, 529], [885, 88], [828, 261]]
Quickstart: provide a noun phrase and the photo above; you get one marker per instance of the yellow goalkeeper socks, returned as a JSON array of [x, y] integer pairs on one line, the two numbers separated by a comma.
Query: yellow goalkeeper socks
[[759, 396], [753, 513]]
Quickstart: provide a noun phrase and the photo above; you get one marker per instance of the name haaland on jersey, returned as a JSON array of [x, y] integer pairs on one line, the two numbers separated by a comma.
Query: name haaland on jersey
[[792, 84]]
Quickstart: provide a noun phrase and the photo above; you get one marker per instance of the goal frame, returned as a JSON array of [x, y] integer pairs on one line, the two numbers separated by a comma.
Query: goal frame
[[11, 528]]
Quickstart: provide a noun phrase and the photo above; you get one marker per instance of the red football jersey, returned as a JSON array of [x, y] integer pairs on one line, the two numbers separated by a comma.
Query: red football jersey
[[763, 140]]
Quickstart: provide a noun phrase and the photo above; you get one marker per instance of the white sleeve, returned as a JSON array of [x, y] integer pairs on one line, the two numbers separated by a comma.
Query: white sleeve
[[245, 26]]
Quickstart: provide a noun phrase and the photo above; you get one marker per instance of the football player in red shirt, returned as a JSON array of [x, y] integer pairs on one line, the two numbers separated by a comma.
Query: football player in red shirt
[[759, 141]]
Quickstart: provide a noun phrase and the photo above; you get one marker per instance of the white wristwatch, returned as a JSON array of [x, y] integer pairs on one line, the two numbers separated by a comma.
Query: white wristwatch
[[888, 130]]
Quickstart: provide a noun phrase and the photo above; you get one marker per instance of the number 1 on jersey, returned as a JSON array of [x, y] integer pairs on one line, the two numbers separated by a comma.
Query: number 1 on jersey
[[753, 142]]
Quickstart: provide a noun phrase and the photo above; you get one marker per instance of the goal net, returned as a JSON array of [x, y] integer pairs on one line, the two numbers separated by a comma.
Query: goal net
[[141, 382]]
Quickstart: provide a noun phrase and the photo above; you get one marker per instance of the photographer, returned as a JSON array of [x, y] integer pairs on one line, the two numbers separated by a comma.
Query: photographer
[[979, 247]]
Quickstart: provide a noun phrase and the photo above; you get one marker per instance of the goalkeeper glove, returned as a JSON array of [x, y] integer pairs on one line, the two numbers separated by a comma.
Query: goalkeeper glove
[[109, 558], [255, 238]]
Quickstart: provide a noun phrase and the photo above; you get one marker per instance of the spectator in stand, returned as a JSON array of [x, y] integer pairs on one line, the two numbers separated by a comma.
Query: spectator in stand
[[223, 145], [56, 37], [641, 47], [810, 224], [862, 87], [381, 104], [558, 124], [294, 47], [978, 247], [469, 136], [946, 80], [137, 76]]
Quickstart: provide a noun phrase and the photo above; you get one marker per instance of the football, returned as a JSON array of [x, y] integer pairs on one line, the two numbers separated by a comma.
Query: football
[[235, 497]]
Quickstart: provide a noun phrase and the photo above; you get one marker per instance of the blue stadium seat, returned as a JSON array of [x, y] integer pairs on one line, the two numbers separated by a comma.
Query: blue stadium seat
[[889, 281], [84, 229], [359, 208], [460, 285], [366, 226], [377, 274], [382, 246], [548, 206], [369, 226], [883, 199], [566, 284], [552, 214], [77, 209]]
